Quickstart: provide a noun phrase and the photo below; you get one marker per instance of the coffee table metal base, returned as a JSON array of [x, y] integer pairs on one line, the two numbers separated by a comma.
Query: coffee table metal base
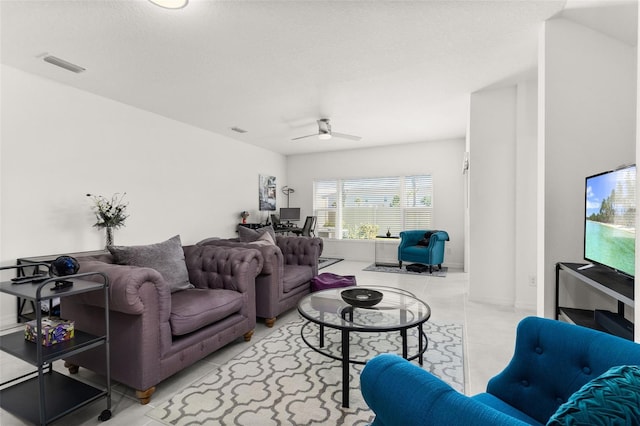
[[345, 359]]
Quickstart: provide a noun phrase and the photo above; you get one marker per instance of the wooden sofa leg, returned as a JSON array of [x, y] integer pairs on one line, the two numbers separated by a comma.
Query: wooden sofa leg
[[248, 335], [270, 321], [145, 396], [73, 369]]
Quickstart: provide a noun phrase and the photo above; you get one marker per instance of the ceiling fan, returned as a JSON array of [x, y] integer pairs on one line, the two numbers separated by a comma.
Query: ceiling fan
[[325, 133]]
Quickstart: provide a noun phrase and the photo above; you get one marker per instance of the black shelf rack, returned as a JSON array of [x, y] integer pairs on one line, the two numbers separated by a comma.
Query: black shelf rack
[[56, 394], [36, 264], [615, 285]]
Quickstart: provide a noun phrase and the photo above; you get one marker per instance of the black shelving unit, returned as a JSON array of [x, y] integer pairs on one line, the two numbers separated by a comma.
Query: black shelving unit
[[56, 394], [615, 285], [31, 266]]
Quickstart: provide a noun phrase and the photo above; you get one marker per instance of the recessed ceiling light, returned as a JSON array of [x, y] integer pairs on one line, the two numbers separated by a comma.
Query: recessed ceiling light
[[170, 4]]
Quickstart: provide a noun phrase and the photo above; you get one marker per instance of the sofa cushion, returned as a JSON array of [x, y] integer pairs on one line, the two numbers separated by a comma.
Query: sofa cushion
[[247, 235], [166, 257], [612, 398], [295, 276], [416, 251], [195, 308]]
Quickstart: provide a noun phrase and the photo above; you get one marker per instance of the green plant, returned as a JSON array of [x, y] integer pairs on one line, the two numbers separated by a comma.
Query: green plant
[[364, 231]]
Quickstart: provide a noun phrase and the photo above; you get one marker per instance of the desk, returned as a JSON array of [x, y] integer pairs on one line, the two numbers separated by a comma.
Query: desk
[[284, 229], [252, 225], [281, 229]]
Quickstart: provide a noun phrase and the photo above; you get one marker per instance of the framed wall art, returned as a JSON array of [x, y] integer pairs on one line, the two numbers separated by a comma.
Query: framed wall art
[[267, 192]]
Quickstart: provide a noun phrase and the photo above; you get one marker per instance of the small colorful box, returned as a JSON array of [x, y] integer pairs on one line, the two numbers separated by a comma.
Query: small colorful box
[[54, 330]]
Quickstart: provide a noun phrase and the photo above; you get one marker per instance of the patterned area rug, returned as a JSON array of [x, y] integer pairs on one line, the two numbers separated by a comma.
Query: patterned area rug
[[323, 262], [403, 270], [281, 381]]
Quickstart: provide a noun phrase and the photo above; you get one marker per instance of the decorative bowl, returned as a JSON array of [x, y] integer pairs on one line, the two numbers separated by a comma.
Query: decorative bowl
[[64, 265], [361, 297]]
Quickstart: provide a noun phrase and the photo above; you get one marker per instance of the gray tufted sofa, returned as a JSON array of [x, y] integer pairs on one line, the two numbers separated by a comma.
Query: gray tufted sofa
[[155, 333], [287, 270]]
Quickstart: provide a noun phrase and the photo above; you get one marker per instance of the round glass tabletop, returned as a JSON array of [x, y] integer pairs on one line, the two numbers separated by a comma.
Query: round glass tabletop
[[398, 309]]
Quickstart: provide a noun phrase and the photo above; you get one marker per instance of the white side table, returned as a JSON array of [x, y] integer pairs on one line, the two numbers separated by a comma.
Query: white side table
[[386, 250]]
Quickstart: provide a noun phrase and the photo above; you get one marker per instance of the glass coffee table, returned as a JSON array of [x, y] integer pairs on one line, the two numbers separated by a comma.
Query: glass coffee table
[[397, 311]]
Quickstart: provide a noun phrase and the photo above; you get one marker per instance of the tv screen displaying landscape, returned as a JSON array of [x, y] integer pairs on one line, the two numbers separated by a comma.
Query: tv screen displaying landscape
[[610, 215]]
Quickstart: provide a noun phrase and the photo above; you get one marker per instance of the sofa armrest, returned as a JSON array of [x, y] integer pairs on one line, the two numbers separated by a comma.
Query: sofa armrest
[[401, 393], [125, 284]]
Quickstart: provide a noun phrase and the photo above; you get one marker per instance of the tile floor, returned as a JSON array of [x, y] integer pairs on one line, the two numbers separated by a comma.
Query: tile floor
[[489, 333]]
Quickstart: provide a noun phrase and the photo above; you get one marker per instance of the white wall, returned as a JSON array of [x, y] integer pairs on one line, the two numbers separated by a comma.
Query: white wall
[[502, 195], [526, 195], [588, 85], [59, 144], [492, 196], [441, 159]]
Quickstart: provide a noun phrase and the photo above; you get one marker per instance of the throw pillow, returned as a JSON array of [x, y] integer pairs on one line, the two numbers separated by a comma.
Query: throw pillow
[[247, 235], [166, 257], [610, 399], [425, 240], [264, 240]]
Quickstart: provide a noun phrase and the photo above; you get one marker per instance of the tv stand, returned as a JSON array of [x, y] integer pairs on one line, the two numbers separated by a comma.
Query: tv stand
[[611, 283]]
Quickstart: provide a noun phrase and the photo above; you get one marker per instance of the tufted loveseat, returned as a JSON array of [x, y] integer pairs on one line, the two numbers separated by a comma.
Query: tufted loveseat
[[155, 332], [288, 267], [552, 362]]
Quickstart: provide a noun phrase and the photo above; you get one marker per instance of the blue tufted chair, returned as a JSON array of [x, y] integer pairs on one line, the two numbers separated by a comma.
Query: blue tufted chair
[[551, 362], [432, 254]]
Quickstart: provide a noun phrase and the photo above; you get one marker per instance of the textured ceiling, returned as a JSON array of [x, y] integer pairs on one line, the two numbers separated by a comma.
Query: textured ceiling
[[389, 71]]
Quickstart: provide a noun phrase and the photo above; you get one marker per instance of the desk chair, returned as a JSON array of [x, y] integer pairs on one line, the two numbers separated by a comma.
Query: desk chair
[[308, 228], [275, 221]]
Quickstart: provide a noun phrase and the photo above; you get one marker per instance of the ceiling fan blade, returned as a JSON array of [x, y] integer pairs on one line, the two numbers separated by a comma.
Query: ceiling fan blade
[[345, 136], [304, 137]]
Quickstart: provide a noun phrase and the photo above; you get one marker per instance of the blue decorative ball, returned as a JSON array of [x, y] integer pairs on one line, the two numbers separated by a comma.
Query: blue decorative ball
[[64, 265]]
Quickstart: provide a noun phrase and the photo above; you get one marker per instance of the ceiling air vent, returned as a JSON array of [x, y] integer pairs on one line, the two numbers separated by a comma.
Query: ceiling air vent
[[238, 129], [63, 64]]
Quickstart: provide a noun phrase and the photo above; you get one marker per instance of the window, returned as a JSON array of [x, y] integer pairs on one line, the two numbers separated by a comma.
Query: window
[[364, 208]]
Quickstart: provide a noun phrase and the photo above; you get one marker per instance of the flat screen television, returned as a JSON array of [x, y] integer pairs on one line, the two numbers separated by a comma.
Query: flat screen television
[[610, 218], [289, 213]]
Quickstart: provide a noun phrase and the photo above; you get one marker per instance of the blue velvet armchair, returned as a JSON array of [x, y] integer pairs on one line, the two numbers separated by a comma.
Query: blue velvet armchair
[[551, 363], [414, 248]]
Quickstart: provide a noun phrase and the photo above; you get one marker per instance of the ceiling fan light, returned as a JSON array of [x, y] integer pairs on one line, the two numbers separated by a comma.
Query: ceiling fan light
[[324, 136], [170, 4]]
